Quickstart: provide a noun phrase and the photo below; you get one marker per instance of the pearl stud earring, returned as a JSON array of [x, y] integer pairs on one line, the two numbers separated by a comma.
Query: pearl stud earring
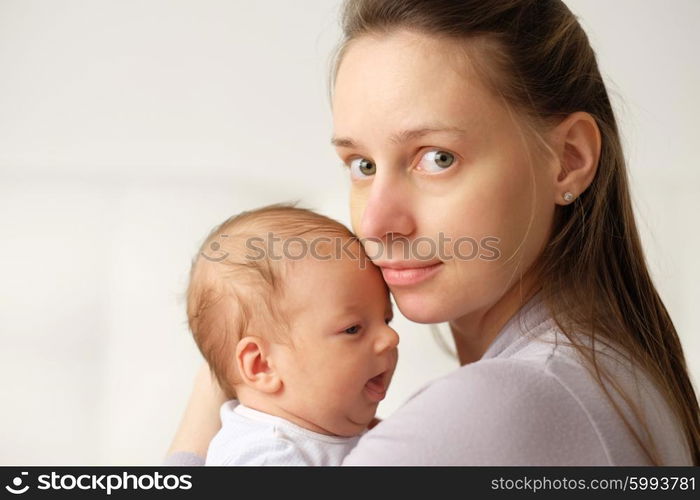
[[568, 197]]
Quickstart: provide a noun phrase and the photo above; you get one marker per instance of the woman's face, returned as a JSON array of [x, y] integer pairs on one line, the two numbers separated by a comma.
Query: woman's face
[[434, 157]]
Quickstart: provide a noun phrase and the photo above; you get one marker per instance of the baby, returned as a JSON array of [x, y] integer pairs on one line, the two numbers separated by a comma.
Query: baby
[[293, 320]]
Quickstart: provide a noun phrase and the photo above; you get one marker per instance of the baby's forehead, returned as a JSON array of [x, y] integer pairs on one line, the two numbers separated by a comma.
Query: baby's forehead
[[343, 278], [344, 256], [333, 283], [310, 246]]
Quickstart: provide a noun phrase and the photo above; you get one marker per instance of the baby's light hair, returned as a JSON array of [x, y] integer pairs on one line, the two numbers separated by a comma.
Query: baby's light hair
[[235, 287]]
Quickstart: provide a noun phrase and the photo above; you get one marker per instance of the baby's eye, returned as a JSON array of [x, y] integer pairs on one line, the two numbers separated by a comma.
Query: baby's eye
[[353, 329], [436, 161], [361, 168]]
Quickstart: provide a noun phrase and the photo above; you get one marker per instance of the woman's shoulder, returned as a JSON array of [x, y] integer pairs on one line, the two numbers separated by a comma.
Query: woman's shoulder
[[531, 401], [617, 385], [491, 412], [527, 365]]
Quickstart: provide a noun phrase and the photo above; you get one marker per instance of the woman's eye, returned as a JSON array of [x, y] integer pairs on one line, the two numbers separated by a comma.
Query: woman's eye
[[436, 161], [388, 320], [353, 329], [361, 168]]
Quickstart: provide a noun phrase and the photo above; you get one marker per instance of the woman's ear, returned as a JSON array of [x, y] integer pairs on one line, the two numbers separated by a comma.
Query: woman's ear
[[578, 145], [255, 366]]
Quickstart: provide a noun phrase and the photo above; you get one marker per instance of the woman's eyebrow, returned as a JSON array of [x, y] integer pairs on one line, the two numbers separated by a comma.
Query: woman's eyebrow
[[401, 136]]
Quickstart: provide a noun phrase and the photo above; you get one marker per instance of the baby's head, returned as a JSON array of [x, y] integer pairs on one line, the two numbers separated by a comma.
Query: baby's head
[[293, 318]]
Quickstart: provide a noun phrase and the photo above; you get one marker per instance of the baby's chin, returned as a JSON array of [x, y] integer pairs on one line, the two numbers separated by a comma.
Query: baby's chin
[[351, 426]]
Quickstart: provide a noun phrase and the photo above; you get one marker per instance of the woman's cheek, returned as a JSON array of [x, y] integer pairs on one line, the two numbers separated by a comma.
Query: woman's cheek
[[482, 231], [358, 202]]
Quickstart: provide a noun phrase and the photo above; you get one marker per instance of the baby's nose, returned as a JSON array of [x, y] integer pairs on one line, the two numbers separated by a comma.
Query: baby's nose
[[388, 339]]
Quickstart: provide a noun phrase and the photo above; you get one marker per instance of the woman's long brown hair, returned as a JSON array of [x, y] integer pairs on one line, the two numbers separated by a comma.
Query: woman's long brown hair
[[537, 58]]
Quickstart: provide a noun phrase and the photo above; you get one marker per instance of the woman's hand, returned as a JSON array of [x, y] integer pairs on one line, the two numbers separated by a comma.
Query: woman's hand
[[201, 421]]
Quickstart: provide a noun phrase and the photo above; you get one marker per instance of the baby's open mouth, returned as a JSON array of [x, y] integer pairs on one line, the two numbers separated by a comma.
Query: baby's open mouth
[[376, 387]]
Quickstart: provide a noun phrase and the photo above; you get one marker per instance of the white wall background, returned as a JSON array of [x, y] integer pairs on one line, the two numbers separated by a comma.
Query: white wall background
[[129, 128]]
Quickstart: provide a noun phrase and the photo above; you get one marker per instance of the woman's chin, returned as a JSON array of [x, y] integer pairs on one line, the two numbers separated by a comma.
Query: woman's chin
[[419, 309]]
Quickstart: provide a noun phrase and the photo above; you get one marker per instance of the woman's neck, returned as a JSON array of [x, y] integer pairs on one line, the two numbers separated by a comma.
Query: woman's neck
[[474, 332]]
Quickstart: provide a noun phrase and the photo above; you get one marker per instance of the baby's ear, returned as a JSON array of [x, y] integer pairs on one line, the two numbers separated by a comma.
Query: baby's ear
[[254, 367]]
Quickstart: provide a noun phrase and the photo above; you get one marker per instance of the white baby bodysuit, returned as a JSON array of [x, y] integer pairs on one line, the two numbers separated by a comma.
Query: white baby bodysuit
[[251, 437]]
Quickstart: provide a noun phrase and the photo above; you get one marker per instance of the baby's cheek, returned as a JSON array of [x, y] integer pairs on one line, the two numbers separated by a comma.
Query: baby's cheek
[[344, 393]]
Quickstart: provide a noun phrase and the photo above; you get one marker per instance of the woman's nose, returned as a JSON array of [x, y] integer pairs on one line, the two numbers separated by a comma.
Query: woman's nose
[[388, 339], [387, 209]]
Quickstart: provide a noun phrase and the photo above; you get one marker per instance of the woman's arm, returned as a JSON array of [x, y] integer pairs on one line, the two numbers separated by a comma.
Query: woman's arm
[[201, 421]]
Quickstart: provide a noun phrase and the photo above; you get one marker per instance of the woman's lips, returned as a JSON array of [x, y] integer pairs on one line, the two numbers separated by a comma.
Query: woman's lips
[[401, 275], [376, 388]]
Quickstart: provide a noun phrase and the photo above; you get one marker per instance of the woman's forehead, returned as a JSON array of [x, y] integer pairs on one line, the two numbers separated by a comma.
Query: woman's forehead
[[407, 86]]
